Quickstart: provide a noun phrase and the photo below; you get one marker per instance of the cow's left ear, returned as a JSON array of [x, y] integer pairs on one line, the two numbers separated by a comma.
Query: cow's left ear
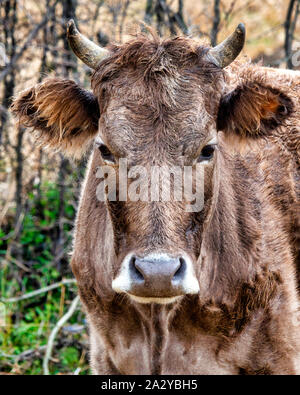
[[253, 110]]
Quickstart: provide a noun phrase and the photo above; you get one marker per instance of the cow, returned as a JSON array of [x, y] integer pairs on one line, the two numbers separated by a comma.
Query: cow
[[167, 289]]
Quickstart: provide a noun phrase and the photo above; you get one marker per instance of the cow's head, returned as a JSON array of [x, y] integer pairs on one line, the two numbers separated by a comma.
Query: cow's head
[[155, 104]]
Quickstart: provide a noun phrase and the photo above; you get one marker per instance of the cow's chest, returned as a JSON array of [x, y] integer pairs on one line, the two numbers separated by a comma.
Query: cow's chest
[[143, 355], [151, 346]]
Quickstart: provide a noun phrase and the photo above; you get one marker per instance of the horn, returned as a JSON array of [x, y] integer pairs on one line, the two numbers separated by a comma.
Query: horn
[[90, 53], [225, 53]]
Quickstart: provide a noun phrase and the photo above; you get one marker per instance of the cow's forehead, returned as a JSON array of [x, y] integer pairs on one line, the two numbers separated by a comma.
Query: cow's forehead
[[172, 109], [138, 128]]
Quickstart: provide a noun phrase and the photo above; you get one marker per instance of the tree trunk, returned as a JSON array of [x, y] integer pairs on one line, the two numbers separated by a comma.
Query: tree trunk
[[216, 23], [290, 27], [9, 24]]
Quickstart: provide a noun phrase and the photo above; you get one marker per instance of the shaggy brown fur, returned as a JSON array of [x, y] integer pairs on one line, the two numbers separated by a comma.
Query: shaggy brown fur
[[160, 103], [65, 114], [253, 109]]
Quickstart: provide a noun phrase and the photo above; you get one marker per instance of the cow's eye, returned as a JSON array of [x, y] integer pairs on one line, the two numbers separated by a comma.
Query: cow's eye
[[207, 153], [107, 156]]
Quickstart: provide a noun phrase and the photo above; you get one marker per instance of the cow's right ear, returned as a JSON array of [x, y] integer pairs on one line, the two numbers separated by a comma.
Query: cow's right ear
[[252, 110], [65, 115]]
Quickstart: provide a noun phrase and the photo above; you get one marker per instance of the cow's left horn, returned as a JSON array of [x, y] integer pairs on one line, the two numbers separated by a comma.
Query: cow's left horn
[[90, 53], [225, 53]]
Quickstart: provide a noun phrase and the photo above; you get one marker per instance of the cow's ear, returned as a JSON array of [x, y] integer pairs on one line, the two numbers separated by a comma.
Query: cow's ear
[[253, 110], [64, 115]]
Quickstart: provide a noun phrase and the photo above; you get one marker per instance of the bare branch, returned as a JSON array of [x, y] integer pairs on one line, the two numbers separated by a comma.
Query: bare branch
[[39, 291], [31, 36], [54, 332], [27, 354]]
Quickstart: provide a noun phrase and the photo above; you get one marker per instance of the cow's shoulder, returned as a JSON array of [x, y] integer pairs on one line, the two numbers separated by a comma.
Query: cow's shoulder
[[240, 72]]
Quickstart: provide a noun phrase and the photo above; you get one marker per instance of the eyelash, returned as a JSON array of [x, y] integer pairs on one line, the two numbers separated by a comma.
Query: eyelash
[[207, 153], [106, 154]]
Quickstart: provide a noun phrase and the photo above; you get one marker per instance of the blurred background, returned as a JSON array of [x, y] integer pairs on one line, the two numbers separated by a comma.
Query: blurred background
[[39, 191]]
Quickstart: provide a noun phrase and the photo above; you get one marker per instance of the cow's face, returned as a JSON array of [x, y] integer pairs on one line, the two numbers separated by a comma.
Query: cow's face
[[153, 119], [152, 135]]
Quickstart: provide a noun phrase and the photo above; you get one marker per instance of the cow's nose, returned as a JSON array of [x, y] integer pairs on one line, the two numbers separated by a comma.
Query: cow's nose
[[156, 276], [159, 274]]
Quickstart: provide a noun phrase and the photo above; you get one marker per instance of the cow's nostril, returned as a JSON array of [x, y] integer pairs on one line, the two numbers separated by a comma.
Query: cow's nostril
[[181, 270], [135, 271]]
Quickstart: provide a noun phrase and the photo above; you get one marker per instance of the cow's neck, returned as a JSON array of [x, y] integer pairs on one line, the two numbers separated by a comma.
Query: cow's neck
[[231, 252]]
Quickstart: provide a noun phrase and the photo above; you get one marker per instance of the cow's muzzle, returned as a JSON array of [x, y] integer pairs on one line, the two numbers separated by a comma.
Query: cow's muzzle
[[156, 278]]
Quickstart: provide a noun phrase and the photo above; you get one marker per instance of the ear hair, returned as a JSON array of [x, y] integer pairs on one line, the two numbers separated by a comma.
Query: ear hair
[[253, 110], [65, 115]]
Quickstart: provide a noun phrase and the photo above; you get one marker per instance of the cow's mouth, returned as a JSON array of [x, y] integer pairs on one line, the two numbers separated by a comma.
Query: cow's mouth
[[148, 300]]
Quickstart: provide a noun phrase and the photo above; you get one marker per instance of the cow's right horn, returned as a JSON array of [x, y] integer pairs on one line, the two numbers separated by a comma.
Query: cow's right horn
[[90, 53], [225, 53]]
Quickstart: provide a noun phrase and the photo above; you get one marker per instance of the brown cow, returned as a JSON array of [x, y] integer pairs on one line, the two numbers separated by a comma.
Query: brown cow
[[169, 290]]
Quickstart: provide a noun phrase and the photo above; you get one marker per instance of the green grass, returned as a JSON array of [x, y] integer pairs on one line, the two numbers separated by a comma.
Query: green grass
[[28, 323]]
